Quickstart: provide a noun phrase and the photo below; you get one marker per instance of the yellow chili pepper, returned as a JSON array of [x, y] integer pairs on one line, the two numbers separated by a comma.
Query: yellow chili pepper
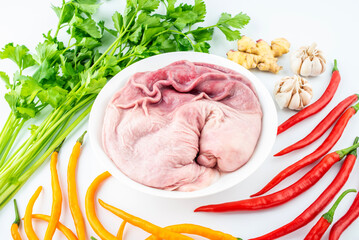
[[121, 230], [162, 233], [56, 196], [197, 230], [90, 208], [66, 231], [72, 190], [29, 230], [15, 226]]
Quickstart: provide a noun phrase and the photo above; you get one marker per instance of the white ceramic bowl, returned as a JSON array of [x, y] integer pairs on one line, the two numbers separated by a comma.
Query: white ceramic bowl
[[263, 148]]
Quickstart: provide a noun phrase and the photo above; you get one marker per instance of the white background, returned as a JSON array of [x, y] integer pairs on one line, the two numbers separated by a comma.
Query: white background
[[332, 24]]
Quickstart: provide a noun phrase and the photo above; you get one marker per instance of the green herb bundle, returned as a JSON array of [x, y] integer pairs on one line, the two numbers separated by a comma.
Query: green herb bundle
[[67, 76]]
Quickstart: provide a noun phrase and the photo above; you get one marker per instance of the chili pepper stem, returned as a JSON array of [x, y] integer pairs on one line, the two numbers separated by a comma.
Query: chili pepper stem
[[330, 214], [81, 138], [352, 150], [17, 216], [356, 107], [335, 68], [57, 149]]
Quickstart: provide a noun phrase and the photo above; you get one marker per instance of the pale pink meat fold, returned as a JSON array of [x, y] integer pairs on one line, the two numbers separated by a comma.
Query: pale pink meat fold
[[181, 126]]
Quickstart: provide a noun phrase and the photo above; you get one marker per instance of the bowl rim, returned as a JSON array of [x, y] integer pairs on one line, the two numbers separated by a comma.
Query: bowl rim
[[226, 181]]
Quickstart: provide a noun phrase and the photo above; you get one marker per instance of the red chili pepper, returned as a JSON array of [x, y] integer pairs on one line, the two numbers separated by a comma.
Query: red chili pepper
[[345, 221], [322, 127], [328, 143], [286, 194], [324, 222], [318, 205], [316, 106]]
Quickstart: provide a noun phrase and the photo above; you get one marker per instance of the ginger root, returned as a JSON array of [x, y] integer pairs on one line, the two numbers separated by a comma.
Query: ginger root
[[259, 54]]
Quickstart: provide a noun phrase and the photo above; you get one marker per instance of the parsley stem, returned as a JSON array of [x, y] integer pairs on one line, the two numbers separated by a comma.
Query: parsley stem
[[59, 111], [4, 131], [26, 159], [18, 149], [51, 130], [7, 137], [104, 54], [184, 34], [12, 140], [130, 62], [14, 187], [45, 129], [114, 45], [21, 150], [60, 17], [204, 28], [126, 56]]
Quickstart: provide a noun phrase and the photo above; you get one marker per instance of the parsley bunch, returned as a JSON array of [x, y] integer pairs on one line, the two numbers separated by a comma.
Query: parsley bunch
[[67, 75]]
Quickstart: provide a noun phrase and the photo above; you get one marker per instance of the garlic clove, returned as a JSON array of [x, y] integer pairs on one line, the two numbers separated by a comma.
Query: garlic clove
[[306, 68], [306, 97], [287, 85], [323, 63], [283, 99], [295, 102], [296, 64], [316, 67]]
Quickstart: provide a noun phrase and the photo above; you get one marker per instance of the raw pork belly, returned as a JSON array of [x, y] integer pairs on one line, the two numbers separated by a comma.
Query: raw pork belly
[[179, 127]]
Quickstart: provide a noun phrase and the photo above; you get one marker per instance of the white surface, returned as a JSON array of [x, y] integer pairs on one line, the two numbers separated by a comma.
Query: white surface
[[332, 24], [262, 150]]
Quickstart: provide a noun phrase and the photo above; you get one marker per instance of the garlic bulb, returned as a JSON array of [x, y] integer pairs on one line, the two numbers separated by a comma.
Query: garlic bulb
[[293, 92], [308, 61]]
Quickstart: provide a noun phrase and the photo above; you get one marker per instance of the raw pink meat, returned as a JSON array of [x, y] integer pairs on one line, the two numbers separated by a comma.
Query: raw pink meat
[[179, 127]]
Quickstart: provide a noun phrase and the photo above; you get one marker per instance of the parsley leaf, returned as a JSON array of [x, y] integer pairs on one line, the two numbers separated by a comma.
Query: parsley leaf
[[200, 8], [117, 21], [89, 26], [6, 79], [202, 47], [18, 54], [129, 14], [45, 51], [87, 6], [26, 112], [202, 34], [89, 42], [148, 5], [150, 32], [53, 96], [183, 44], [149, 20], [102, 26], [230, 34], [45, 73], [238, 21], [136, 35], [165, 43], [171, 6], [65, 13]]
